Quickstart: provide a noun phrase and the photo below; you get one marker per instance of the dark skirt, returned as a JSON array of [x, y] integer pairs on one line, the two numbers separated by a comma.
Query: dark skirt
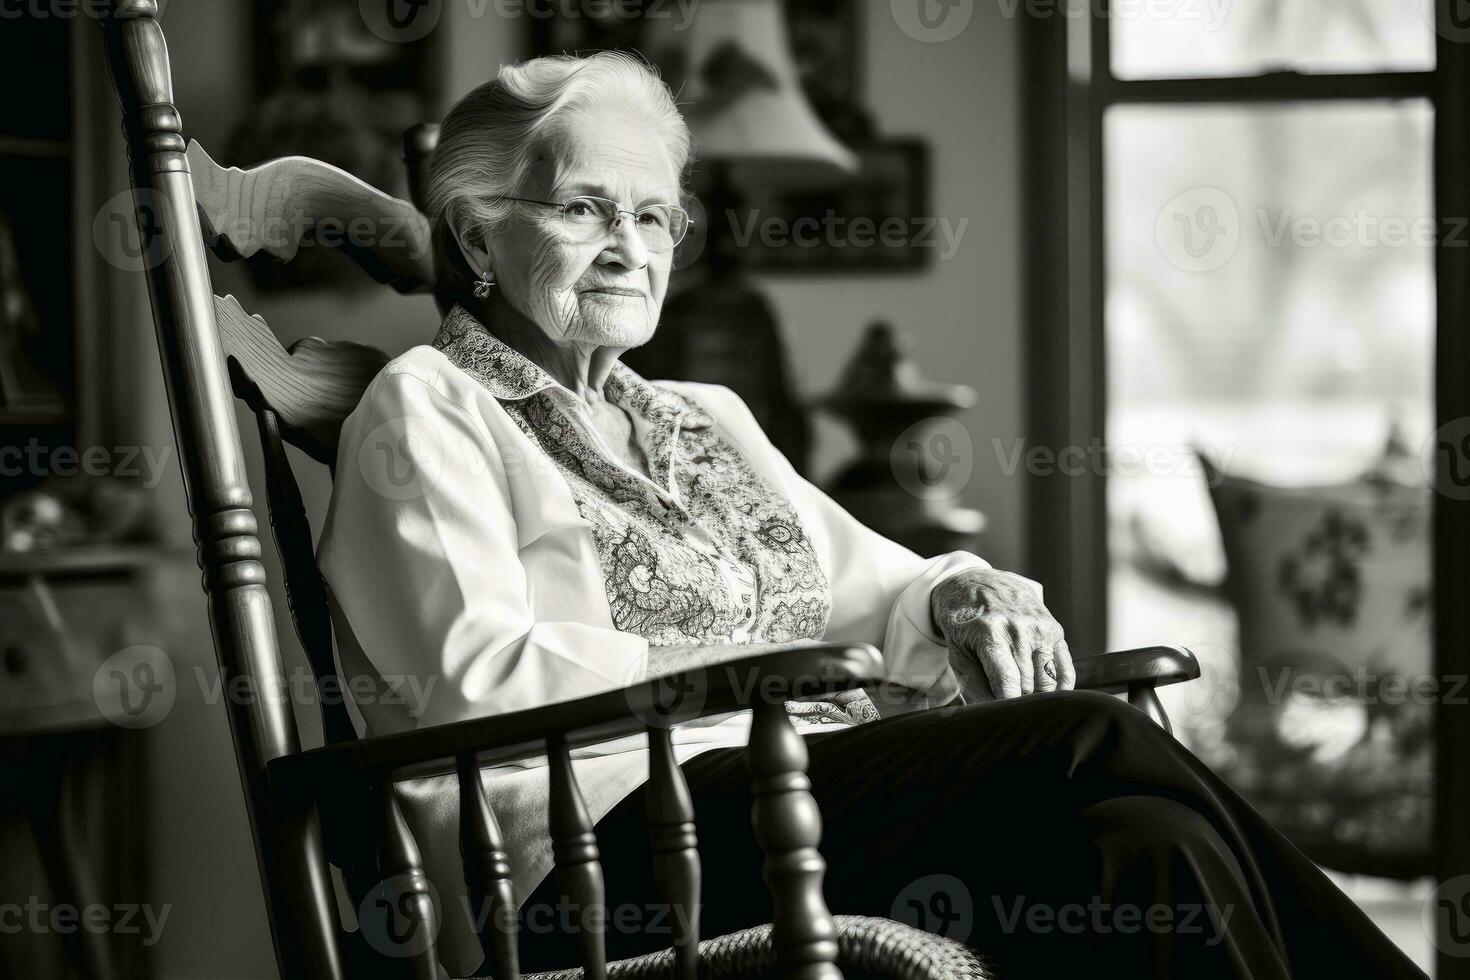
[[1057, 832]]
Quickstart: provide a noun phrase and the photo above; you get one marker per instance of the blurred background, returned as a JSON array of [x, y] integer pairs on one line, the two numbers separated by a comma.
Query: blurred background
[[1141, 302]]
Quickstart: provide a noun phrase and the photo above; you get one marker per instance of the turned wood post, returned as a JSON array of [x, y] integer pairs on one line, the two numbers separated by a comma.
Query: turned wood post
[[578, 869], [487, 872], [409, 929], [675, 846], [1146, 699], [202, 406], [788, 827]]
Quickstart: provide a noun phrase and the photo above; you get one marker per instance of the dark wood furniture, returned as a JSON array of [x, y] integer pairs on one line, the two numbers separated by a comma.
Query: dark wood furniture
[[338, 803], [914, 457], [71, 813]]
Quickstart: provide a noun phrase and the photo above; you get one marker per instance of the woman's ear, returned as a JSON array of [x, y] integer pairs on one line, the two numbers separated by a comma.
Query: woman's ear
[[471, 239]]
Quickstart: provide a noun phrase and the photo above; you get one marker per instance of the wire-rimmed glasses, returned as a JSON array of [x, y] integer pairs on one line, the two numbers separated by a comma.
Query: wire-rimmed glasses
[[661, 226]]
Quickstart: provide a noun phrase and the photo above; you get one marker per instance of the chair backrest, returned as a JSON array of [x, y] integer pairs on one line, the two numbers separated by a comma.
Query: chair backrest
[[214, 351]]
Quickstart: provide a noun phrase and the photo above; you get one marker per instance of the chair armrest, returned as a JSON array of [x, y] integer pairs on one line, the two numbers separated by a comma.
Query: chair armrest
[[721, 679], [1146, 666]]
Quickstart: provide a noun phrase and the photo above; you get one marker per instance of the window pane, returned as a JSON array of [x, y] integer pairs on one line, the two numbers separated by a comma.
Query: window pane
[[1270, 300], [1181, 38]]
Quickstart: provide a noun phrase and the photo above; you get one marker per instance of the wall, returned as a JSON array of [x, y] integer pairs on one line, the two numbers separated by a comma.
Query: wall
[[963, 317]]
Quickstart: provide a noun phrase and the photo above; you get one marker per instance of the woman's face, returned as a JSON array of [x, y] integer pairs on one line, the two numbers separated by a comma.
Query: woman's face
[[607, 291]]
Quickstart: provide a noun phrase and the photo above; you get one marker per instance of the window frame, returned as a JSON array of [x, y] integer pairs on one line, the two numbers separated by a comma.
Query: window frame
[[1068, 88]]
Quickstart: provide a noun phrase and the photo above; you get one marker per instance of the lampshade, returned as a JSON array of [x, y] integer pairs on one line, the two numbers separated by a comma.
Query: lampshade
[[743, 98]]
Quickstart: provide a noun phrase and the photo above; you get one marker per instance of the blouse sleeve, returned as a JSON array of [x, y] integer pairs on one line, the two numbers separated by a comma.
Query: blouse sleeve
[[880, 589], [421, 553]]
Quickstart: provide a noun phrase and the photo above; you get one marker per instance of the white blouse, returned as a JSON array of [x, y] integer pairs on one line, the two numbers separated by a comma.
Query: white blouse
[[485, 551]]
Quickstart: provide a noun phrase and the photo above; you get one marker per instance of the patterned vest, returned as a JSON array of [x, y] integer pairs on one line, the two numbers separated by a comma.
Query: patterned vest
[[706, 551]]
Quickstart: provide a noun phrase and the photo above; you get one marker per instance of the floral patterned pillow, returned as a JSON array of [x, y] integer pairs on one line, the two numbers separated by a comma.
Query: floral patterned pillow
[[1331, 585]]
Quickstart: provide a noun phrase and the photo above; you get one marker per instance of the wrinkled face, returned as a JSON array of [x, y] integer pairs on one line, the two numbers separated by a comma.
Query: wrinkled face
[[606, 291]]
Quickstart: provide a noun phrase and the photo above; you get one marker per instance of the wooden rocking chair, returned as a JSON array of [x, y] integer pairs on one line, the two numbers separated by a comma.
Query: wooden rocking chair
[[311, 809]]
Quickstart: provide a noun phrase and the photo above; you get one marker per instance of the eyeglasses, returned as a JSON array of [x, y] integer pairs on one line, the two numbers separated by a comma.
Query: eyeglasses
[[661, 226]]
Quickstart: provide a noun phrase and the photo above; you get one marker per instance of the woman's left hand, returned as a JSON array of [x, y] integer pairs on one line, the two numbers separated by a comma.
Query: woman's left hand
[[995, 620]]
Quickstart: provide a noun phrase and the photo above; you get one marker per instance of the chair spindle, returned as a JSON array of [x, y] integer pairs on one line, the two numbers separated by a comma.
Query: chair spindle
[[788, 827], [487, 871], [1146, 699], [578, 869], [409, 929], [675, 847]]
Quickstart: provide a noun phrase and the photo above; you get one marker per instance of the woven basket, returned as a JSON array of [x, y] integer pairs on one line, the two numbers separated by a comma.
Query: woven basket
[[866, 945]]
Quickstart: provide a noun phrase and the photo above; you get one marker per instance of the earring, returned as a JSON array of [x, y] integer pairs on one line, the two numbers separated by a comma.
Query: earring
[[482, 287]]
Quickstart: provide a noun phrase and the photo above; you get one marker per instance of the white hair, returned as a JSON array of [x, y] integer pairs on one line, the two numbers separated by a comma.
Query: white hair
[[490, 140]]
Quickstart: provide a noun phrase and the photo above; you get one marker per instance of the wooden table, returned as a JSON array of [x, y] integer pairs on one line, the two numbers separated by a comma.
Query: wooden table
[[70, 779]]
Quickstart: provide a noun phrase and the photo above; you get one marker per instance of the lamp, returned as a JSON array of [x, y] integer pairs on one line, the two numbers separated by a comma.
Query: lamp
[[752, 124], [744, 100]]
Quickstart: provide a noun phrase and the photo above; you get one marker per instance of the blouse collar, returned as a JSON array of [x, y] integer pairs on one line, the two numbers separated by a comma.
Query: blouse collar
[[511, 376]]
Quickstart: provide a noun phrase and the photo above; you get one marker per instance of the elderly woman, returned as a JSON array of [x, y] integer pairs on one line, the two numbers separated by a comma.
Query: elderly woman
[[519, 519]]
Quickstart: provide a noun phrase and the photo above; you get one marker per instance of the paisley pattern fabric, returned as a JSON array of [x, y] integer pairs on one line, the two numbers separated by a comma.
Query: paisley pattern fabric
[[703, 552]]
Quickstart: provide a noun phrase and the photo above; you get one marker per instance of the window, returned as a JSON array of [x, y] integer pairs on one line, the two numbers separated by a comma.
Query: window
[[1248, 275]]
